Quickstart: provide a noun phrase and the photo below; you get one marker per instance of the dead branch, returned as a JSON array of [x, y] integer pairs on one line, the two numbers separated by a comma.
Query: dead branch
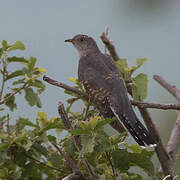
[[170, 88], [64, 86], [111, 48], [174, 140]]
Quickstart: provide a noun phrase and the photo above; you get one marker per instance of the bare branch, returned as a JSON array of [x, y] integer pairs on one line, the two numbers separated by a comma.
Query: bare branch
[[64, 86], [171, 89], [143, 104], [161, 152], [174, 140], [135, 103], [68, 126], [111, 48]]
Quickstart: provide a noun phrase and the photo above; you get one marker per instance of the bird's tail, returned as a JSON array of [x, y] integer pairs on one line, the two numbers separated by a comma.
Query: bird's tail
[[135, 128]]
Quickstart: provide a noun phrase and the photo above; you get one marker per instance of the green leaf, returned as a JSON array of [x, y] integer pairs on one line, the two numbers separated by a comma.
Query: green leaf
[[74, 80], [55, 159], [14, 74], [94, 121], [1, 52], [3, 173], [38, 101], [143, 160], [55, 124], [135, 148], [10, 103], [51, 138], [18, 45], [26, 122], [5, 45], [32, 62], [80, 131], [88, 144], [122, 64], [119, 138], [103, 122], [27, 73], [18, 154], [121, 160], [140, 61], [38, 84], [31, 97], [140, 87], [41, 149], [20, 81], [17, 59], [3, 146], [2, 118], [69, 147]]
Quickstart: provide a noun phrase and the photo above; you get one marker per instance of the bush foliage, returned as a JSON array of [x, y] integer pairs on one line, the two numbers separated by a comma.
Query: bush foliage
[[29, 150]]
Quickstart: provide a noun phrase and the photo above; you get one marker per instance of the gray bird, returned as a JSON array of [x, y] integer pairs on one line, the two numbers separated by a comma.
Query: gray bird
[[106, 89]]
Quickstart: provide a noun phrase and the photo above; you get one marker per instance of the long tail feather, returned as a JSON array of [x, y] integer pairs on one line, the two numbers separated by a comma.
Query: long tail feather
[[136, 129]]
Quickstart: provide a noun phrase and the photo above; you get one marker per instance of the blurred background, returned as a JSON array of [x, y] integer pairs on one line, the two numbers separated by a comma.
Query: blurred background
[[138, 28]]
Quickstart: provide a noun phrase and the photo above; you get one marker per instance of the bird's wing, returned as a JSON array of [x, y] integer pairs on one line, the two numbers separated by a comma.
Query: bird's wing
[[122, 109], [100, 81]]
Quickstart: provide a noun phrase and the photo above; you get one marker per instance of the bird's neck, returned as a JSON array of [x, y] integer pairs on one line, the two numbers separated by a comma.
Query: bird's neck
[[88, 52]]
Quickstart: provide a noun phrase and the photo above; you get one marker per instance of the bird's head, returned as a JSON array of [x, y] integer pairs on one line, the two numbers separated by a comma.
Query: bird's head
[[84, 44]]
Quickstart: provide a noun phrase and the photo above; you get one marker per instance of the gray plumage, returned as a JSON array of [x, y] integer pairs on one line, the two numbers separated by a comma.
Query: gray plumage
[[106, 89]]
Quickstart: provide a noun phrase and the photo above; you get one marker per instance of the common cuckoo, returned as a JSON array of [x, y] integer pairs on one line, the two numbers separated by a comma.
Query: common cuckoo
[[106, 89]]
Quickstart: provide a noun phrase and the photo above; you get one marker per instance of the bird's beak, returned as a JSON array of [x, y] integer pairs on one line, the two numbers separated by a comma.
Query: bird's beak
[[69, 40]]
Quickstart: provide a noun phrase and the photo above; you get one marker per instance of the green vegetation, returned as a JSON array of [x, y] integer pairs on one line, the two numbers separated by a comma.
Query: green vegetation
[[30, 151]]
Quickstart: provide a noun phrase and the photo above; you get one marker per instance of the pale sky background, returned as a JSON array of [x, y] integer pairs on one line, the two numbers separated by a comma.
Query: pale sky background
[[138, 28]]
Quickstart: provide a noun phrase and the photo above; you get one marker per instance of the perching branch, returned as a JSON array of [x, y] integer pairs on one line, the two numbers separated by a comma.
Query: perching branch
[[135, 103], [68, 126], [64, 86], [174, 140], [160, 149]]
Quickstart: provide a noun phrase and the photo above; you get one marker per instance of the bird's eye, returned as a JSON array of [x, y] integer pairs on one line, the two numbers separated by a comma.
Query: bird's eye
[[81, 39]]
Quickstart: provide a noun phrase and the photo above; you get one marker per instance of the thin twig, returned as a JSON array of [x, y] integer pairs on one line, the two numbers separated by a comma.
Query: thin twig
[[111, 164], [64, 86], [111, 48], [68, 126], [160, 150], [39, 162], [69, 160], [170, 88], [14, 93], [4, 64]]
